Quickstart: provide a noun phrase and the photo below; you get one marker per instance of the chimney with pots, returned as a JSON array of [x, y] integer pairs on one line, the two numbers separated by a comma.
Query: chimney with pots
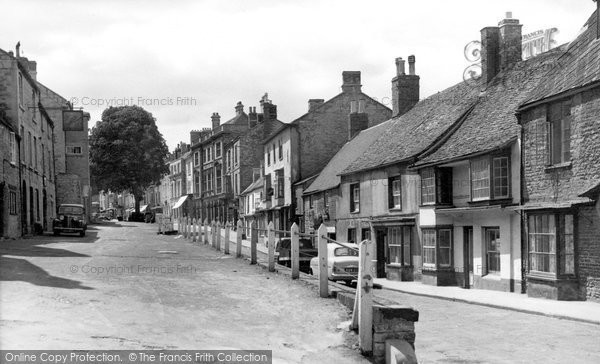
[[314, 103], [269, 110], [239, 108], [511, 42], [405, 88], [351, 82], [216, 120]]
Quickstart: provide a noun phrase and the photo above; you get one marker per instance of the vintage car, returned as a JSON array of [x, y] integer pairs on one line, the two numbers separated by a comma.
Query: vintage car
[[71, 219], [342, 262], [283, 252]]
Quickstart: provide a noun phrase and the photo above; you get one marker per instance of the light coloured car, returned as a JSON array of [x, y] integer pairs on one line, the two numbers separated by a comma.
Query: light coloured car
[[342, 262]]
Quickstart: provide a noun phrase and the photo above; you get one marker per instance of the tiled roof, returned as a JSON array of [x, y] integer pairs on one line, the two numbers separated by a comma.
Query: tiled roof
[[492, 123], [329, 177], [577, 67], [255, 185], [413, 132]]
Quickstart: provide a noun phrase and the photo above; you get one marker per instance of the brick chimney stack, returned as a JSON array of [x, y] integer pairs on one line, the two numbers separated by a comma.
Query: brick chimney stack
[[252, 117], [314, 103], [356, 123], [216, 120], [268, 109], [351, 82], [405, 88], [511, 43], [490, 49]]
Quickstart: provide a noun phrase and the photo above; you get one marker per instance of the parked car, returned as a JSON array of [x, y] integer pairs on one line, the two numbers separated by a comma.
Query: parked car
[[342, 262], [283, 252], [71, 219]]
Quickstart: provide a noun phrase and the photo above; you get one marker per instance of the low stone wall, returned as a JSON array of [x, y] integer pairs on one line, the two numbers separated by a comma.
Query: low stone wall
[[389, 323]]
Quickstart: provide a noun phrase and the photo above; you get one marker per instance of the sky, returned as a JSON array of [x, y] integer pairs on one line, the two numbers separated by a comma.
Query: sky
[[184, 60]]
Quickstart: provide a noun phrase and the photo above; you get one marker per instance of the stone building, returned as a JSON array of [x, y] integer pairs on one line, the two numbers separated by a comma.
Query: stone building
[[303, 148], [561, 175], [28, 183]]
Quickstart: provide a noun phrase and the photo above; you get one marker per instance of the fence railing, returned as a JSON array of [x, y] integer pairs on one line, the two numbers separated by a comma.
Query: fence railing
[[219, 235]]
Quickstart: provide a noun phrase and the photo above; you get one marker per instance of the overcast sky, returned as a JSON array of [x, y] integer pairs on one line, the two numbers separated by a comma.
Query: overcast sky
[[215, 53]]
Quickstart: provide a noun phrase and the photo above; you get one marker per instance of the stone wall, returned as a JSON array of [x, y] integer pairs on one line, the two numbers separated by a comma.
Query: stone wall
[[588, 233], [392, 322]]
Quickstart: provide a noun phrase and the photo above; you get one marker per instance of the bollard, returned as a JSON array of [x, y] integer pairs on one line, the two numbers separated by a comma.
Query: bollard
[[213, 236], [226, 240], [194, 230], [271, 243], [253, 242], [238, 238], [205, 231], [323, 278], [187, 227], [295, 252], [365, 303]]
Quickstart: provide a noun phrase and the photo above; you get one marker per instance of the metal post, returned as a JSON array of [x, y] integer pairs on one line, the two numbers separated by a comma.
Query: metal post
[[295, 253], [365, 305], [253, 242], [271, 243], [205, 231], [238, 238], [323, 278], [226, 240]]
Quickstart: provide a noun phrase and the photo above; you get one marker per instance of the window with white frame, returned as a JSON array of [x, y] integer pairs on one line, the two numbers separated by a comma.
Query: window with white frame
[[196, 159], [236, 155], [429, 245], [395, 193], [445, 247], [501, 178], [551, 244], [355, 197], [399, 245], [437, 248], [480, 179], [492, 246], [428, 186], [12, 144]]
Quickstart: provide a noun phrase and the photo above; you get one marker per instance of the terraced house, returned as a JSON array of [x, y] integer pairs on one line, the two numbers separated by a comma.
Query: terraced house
[[561, 174], [301, 149]]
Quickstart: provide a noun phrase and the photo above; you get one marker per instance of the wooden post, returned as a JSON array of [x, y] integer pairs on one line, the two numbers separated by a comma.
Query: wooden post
[[323, 277], [226, 240], [205, 231], [238, 238], [187, 227], [365, 304], [194, 230], [253, 242], [218, 235], [271, 246], [295, 253], [197, 230], [213, 234]]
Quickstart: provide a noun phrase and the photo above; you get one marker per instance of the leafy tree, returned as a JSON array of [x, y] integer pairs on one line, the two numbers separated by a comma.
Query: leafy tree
[[127, 152]]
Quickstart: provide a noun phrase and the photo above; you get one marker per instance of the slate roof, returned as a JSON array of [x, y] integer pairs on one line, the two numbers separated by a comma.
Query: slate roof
[[329, 177], [577, 67], [255, 185], [413, 132], [492, 123]]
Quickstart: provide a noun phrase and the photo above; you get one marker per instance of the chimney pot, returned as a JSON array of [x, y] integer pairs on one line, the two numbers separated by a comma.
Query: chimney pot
[[239, 108], [411, 65], [216, 120], [400, 66]]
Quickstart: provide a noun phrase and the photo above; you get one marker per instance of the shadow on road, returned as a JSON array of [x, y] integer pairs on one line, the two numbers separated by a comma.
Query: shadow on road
[[14, 269]]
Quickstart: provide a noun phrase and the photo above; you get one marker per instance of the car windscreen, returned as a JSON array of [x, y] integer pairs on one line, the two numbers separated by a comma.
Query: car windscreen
[[345, 252], [70, 210]]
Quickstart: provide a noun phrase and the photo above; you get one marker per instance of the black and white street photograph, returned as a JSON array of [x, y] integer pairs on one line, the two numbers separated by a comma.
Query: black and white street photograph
[[299, 181]]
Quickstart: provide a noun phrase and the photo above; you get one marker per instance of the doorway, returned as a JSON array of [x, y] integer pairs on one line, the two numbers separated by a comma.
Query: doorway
[[381, 235], [468, 256]]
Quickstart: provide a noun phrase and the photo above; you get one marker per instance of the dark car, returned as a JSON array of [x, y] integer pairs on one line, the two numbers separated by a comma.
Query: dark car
[[71, 219], [283, 250]]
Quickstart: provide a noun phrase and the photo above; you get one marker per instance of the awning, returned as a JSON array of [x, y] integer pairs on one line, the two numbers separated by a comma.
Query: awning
[[180, 201], [143, 208]]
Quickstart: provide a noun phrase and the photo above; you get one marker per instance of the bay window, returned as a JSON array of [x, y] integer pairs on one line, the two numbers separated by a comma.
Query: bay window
[[490, 178], [551, 244]]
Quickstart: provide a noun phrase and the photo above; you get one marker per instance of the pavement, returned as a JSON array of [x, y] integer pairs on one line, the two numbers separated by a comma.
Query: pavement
[[583, 311]]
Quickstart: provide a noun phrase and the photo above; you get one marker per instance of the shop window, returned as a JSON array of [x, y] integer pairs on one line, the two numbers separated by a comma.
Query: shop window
[[551, 244]]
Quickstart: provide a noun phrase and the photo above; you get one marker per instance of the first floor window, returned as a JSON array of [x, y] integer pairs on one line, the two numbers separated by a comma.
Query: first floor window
[[395, 193], [399, 245], [492, 245], [428, 186], [551, 244], [219, 178], [480, 179], [197, 184], [355, 197], [12, 147]]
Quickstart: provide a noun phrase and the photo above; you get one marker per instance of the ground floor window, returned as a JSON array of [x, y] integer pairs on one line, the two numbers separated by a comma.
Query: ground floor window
[[551, 244], [399, 245], [492, 250], [351, 235], [437, 248]]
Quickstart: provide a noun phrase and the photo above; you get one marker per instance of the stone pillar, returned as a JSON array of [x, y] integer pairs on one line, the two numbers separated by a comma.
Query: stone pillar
[[392, 323]]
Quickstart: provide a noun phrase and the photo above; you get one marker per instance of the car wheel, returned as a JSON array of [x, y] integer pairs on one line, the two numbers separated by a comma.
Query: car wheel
[[82, 233], [56, 232]]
